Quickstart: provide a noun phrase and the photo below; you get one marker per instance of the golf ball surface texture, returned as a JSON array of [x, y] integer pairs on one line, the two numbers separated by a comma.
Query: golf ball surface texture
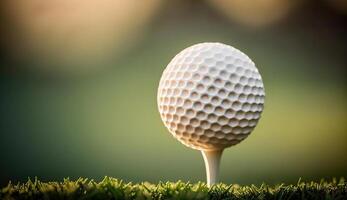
[[210, 96]]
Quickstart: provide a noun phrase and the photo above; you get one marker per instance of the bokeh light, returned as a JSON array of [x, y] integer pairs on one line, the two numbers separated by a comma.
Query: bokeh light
[[255, 13], [73, 35]]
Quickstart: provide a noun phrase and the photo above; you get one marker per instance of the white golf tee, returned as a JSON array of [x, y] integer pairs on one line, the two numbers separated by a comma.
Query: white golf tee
[[212, 161]]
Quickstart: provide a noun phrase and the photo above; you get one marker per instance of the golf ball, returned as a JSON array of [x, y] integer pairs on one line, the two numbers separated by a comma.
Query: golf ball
[[210, 96]]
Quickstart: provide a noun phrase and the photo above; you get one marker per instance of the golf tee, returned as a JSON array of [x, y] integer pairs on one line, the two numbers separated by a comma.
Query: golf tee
[[212, 161]]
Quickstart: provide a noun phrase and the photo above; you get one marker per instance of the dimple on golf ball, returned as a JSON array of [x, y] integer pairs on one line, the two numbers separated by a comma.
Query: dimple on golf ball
[[210, 96]]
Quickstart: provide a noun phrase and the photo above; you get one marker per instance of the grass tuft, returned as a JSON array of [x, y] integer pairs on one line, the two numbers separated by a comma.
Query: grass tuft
[[111, 188]]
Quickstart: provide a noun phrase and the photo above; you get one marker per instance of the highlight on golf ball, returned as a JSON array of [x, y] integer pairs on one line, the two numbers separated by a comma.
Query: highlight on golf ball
[[210, 97]]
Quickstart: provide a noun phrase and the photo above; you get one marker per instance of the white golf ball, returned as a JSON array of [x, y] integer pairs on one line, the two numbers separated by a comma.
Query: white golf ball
[[210, 96]]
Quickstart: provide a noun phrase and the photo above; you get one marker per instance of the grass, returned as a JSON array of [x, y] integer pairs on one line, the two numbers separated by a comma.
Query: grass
[[110, 188]]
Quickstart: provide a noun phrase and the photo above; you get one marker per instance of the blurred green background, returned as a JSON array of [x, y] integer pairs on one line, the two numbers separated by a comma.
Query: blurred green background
[[78, 83]]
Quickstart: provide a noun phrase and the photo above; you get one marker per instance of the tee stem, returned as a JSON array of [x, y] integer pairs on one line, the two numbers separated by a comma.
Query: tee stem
[[212, 160]]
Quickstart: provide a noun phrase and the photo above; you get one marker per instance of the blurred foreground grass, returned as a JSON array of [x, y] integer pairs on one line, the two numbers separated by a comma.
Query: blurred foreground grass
[[111, 188]]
